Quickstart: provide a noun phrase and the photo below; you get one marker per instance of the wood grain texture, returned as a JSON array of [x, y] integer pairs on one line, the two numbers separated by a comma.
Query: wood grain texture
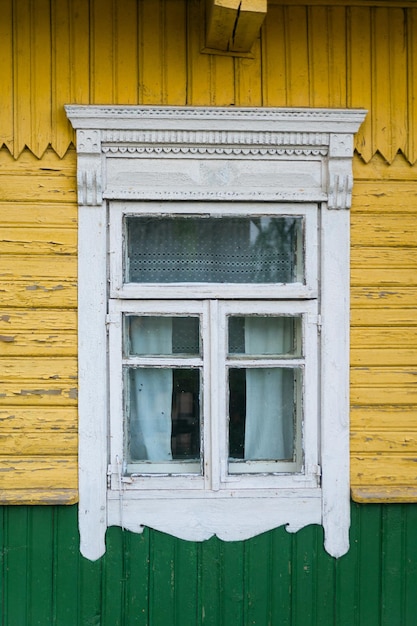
[[38, 336], [315, 55], [150, 52]]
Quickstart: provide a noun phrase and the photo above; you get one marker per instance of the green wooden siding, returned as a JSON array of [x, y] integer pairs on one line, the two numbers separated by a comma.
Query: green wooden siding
[[276, 579]]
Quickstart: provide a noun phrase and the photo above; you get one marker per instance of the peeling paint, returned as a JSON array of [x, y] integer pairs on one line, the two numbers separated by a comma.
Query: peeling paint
[[7, 338], [40, 392], [73, 394], [5, 318]]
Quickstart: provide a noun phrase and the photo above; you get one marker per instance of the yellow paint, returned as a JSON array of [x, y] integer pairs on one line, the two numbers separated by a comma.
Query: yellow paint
[[38, 322], [319, 53]]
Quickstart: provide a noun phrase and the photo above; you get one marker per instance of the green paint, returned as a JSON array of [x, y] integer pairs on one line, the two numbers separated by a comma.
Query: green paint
[[276, 579]]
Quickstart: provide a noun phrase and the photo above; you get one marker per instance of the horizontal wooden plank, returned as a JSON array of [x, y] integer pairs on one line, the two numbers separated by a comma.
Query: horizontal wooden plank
[[44, 393], [384, 197], [377, 169], [38, 241], [54, 419], [40, 369], [383, 277], [27, 496], [23, 320], [372, 257], [384, 469], [38, 473], [382, 493], [38, 187], [381, 376], [27, 162], [46, 214], [34, 343], [394, 229], [388, 394], [382, 316], [46, 293], [372, 441], [40, 443], [37, 267], [383, 417], [385, 297], [384, 337], [370, 357]]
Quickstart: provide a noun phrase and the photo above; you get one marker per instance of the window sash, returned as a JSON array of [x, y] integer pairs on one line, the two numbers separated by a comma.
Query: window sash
[[213, 316], [119, 289]]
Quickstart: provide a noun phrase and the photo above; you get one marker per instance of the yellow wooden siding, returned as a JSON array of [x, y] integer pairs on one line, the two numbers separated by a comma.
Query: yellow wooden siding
[[38, 328], [384, 331], [149, 52]]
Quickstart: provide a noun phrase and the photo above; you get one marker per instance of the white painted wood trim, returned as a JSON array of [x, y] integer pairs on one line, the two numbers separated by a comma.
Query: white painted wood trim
[[199, 155], [92, 380], [335, 377]]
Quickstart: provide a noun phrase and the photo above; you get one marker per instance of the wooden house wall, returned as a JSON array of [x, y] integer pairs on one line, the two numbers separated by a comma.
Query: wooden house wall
[[326, 54], [276, 579]]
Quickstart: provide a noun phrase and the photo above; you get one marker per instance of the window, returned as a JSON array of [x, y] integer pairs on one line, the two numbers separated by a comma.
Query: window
[[213, 345], [213, 320]]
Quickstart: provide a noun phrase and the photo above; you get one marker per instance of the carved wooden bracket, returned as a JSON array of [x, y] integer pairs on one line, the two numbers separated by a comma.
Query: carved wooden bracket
[[233, 25]]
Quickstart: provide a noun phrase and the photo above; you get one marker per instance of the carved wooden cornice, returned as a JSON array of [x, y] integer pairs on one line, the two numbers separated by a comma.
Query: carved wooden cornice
[[291, 154]]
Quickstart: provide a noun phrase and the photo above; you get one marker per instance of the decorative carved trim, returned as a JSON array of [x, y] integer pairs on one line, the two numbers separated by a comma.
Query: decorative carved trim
[[156, 150], [89, 180], [215, 138], [256, 196], [340, 191], [290, 135], [104, 117]]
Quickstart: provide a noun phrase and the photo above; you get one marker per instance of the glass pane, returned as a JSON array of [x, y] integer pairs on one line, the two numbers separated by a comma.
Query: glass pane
[[262, 409], [214, 250], [265, 335], [162, 335], [163, 415]]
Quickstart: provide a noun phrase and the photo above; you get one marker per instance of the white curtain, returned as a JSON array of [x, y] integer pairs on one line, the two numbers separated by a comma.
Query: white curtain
[[151, 391], [269, 398]]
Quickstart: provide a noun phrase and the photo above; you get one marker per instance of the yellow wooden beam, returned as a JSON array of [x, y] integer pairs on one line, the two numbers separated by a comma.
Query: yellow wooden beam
[[234, 25]]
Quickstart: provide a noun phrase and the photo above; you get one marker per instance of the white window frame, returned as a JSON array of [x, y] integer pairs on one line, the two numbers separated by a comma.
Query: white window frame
[[153, 159]]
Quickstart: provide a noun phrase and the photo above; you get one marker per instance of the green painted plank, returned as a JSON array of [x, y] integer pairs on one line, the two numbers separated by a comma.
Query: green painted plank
[[392, 565], [211, 585], [137, 576], [347, 578], [369, 566], [16, 567], [281, 576], [410, 566], [325, 586], [258, 580], [304, 577], [162, 579], [113, 579], [40, 565], [3, 548], [66, 557], [232, 574], [186, 587], [89, 604]]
